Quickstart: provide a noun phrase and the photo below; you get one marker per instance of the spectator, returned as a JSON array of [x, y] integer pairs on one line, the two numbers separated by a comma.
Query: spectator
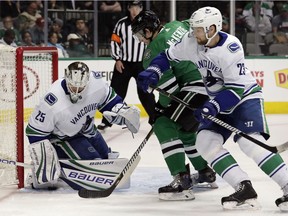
[[9, 8], [111, 12], [31, 13], [53, 41], [37, 32], [9, 38], [82, 32], [57, 28], [21, 23], [54, 4], [128, 54], [27, 39], [265, 8], [76, 48], [264, 24], [225, 24], [280, 25], [8, 24], [110, 6]]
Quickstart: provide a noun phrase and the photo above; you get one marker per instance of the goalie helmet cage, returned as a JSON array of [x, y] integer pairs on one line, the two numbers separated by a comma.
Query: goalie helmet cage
[[26, 74]]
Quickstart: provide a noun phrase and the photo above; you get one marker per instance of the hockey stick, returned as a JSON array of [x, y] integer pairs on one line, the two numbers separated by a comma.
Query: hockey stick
[[105, 193], [276, 149], [14, 163]]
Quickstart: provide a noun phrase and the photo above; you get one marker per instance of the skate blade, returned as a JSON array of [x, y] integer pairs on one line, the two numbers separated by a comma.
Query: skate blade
[[283, 206], [206, 185], [250, 204], [184, 195]]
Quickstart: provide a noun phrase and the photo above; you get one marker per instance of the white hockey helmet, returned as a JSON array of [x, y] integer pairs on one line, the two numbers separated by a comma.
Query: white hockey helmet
[[205, 17], [77, 77]]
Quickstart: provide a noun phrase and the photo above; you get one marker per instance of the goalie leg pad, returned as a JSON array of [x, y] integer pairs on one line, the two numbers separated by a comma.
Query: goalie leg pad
[[45, 161]]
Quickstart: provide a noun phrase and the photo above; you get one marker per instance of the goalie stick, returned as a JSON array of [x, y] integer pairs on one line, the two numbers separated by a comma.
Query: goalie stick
[[274, 149], [105, 193], [15, 163]]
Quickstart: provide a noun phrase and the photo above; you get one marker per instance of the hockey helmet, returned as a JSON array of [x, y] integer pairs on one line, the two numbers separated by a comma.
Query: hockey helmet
[[145, 20], [135, 3], [77, 77], [206, 17]]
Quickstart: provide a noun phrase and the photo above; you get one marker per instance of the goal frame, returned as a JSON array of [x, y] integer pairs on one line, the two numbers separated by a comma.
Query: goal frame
[[20, 99]]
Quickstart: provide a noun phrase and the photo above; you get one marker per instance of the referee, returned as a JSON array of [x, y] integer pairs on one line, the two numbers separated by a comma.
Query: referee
[[128, 54]]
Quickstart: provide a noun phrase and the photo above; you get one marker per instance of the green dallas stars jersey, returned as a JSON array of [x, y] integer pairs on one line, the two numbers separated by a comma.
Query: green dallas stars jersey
[[183, 75]]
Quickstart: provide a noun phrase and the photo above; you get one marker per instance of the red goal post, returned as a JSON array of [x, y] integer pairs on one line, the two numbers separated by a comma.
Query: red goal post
[[26, 73]]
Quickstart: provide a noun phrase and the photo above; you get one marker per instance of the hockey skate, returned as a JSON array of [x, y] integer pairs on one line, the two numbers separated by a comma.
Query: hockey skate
[[179, 189], [245, 197], [282, 202], [205, 178]]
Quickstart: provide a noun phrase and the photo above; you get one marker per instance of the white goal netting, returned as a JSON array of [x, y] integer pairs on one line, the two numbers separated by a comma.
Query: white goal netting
[[25, 76]]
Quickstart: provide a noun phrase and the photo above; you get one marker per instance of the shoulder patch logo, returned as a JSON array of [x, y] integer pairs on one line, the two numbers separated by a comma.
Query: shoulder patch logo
[[97, 74], [233, 47], [51, 99]]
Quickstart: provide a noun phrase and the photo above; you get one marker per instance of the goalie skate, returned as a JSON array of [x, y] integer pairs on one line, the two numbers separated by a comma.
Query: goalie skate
[[245, 197], [179, 189], [205, 178]]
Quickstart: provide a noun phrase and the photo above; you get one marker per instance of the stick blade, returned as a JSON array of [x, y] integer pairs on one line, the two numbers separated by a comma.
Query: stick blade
[[283, 147], [84, 193]]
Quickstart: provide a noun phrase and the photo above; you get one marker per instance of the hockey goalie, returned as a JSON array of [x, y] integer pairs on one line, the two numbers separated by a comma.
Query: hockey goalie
[[64, 141]]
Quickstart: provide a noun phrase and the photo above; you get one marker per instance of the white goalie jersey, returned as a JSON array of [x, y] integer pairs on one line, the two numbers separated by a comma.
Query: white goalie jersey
[[56, 115]]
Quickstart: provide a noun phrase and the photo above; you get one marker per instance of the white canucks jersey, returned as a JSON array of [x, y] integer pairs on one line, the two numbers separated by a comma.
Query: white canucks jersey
[[222, 67], [57, 115]]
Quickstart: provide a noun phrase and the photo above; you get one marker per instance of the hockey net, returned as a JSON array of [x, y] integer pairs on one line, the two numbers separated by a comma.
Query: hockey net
[[26, 73]]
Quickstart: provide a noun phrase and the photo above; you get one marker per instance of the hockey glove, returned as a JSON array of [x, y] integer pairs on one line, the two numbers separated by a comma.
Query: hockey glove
[[149, 77], [124, 115], [209, 108]]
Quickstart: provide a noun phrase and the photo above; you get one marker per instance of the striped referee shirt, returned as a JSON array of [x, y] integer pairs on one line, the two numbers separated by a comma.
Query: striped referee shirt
[[123, 45]]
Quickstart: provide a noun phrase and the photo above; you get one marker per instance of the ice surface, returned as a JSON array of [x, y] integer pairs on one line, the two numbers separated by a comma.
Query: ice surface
[[141, 198]]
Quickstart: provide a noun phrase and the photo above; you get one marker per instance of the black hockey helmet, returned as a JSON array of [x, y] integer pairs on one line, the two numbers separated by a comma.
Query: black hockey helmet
[[146, 19], [135, 3]]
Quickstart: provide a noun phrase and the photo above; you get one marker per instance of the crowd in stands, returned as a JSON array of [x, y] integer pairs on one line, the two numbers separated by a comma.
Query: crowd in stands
[[22, 23]]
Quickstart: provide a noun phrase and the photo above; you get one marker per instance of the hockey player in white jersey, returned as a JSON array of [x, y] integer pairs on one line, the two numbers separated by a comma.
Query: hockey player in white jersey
[[62, 124], [235, 98]]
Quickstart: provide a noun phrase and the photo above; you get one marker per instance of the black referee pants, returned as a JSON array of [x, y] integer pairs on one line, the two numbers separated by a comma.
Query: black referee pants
[[120, 82]]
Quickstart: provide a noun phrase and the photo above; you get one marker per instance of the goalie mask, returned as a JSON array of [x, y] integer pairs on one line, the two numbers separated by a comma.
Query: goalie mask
[[77, 77]]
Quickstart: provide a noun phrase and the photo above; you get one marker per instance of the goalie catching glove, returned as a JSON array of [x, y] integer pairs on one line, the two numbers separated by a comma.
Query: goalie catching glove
[[121, 114], [45, 161]]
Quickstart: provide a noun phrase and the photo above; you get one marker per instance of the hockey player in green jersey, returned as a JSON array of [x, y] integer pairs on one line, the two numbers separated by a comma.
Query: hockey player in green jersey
[[174, 125]]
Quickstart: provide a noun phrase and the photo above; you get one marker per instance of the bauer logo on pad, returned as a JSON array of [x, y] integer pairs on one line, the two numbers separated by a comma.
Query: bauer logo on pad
[[51, 99]]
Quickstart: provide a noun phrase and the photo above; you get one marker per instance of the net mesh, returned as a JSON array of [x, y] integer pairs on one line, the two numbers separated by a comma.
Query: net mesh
[[37, 78]]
